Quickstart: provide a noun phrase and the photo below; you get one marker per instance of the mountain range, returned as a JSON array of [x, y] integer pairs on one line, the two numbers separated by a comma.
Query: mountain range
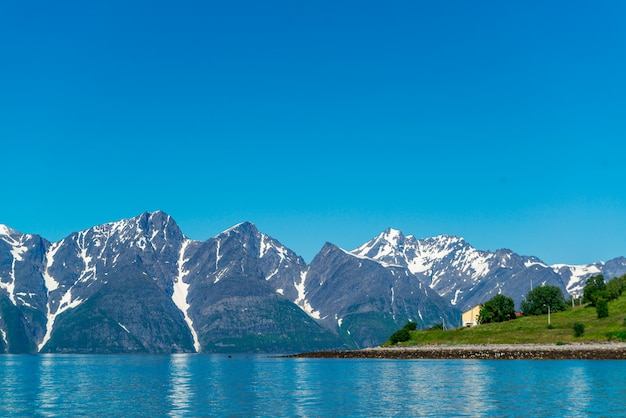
[[140, 285]]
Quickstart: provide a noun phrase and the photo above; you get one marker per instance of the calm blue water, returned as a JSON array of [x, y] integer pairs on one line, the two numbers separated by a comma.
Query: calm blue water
[[214, 385]]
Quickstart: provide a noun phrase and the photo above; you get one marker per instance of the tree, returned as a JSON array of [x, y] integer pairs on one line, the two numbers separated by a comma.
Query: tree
[[400, 336], [615, 287], [579, 329], [595, 288], [410, 326], [540, 298], [497, 309], [602, 308], [403, 334]]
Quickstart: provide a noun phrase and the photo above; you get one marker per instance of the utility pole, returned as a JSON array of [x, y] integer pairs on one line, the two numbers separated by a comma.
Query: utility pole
[[548, 313]]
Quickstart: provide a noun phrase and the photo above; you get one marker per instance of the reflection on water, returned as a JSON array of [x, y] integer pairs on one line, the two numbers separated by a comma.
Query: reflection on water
[[302, 386], [205, 385], [180, 388], [577, 391], [474, 379], [48, 396]]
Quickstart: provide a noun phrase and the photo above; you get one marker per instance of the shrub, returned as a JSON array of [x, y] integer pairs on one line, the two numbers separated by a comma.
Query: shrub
[[620, 335], [410, 326], [404, 334], [400, 336], [602, 308], [579, 329]]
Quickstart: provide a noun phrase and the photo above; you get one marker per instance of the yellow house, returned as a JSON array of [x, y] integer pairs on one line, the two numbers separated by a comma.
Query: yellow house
[[470, 317]]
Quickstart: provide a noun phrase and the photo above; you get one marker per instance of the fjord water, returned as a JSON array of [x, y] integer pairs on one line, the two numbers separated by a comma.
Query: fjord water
[[216, 385]]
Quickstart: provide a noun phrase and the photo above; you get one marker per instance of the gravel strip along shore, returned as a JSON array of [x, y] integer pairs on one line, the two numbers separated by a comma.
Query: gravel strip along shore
[[599, 351]]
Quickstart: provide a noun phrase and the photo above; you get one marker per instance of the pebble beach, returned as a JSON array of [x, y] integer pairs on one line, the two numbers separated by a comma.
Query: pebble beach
[[583, 351]]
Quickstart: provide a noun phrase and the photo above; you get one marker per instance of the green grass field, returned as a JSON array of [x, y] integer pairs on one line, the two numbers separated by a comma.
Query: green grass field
[[534, 329]]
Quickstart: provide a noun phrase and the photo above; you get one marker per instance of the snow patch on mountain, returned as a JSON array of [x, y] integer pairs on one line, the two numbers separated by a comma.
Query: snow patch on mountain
[[363, 257], [217, 254], [17, 251], [181, 291], [5, 230], [577, 275], [301, 301], [49, 281], [66, 303], [456, 296], [232, 228], [124, 328], [89, 270], [530, 263]]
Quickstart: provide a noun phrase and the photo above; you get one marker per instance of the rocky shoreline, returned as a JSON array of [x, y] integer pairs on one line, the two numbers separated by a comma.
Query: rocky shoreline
[[590, 351]]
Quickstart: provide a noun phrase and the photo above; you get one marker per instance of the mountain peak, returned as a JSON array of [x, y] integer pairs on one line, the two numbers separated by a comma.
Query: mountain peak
[[392, 236], [6, 231], [390, 241], [241, 228]]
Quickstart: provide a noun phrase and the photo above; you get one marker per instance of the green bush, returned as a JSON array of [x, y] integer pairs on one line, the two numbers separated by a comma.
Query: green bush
[[410, 326], [400, 336], [579, 329], [602, 308], [620, 335], [403, 334]]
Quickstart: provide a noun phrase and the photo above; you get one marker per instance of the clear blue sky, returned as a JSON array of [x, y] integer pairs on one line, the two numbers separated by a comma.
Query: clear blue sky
[[501, 122]]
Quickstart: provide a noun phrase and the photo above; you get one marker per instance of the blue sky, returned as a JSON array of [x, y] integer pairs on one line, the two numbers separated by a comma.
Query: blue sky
[[501, 122]]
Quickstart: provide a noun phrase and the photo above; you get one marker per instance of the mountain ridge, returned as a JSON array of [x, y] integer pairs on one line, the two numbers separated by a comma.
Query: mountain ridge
[[242, 290]]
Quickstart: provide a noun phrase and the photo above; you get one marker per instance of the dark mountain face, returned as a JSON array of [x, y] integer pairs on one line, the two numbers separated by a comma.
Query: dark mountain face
[[22, 290], [78, 267], [128, 313], [234, 302], [614, 268], [139, 285], [365, 302]]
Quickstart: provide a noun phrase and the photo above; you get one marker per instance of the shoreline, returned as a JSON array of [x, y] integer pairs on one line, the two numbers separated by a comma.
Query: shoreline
[[582, 351]]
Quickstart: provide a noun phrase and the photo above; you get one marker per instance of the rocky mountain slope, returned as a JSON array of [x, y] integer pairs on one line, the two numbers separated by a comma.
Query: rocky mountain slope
[[139, 285]]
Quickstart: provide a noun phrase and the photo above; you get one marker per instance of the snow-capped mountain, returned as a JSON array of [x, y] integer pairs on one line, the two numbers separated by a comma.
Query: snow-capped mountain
[[365, 300], [241, 293], [77, 267], [575, 276], [466, 276], [22, 289], [140, 285]]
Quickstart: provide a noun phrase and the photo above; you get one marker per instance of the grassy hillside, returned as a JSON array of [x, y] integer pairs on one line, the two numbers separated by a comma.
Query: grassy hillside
[[534, 329]]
